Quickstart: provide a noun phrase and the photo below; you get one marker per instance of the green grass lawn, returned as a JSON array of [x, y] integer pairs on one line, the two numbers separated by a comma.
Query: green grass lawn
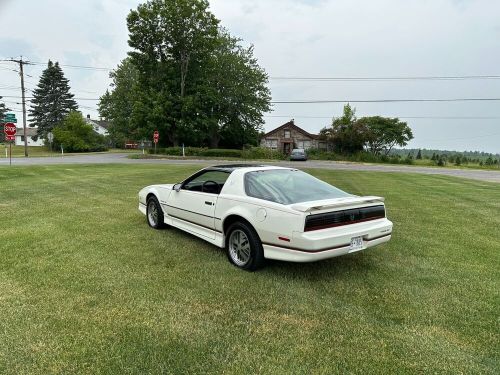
[[34, 151], [87, 287]]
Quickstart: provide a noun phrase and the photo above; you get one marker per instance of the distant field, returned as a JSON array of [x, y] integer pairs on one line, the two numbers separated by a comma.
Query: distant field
[[430, 163], [87, 287]]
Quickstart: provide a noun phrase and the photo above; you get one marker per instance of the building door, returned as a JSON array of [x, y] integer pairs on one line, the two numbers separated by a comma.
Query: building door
[[287, 148]]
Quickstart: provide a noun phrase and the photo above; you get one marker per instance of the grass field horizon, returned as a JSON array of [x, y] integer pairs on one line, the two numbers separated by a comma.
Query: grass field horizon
[[87, 287]]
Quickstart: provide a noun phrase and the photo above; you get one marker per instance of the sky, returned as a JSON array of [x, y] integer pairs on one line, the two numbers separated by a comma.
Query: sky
[[300, 38]]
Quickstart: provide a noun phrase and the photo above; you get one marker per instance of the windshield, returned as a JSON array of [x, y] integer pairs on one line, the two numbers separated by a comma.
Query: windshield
[[288, 186]]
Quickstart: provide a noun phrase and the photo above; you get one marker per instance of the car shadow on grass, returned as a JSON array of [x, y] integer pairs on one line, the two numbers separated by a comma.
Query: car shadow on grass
[[344, 266], [339, 267]]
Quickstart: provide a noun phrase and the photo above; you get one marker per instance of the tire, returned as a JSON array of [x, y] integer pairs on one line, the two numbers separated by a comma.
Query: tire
[[154, 214], [243, 247]]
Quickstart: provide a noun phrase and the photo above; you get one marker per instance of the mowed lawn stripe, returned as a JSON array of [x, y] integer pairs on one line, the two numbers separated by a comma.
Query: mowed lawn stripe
[[86, 286]]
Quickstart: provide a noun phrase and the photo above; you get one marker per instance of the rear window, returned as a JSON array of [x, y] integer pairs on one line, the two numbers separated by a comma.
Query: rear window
[[288, 186]]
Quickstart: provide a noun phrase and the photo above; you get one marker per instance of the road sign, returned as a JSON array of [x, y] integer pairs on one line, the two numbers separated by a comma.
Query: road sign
[[156, 136], [10, 137], [10, 129], [9, 117]]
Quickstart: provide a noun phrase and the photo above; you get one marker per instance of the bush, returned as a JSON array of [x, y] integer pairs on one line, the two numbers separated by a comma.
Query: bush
[[196, 151], [248, 153], [263, 153], [253, 153], [359, 157], [218, 152], [75, 135]]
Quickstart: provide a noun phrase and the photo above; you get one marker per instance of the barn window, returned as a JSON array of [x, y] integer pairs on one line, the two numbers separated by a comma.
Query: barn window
[[287, 133]]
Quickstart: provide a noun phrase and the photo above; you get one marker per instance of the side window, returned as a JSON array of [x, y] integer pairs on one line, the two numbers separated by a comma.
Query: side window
[[207, 182], [287, 133]]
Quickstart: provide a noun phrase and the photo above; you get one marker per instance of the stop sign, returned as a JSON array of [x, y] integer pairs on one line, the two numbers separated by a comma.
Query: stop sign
[[156, 136], [10, 129]]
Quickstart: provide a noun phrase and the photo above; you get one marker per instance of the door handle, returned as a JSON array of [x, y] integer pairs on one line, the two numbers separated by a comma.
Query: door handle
[[208, 203]]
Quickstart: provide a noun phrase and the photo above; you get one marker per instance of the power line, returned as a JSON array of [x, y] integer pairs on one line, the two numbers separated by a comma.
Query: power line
[[347, 78], [340, 101], [400, 78], [77, 66], [403, 117], [382, 101]]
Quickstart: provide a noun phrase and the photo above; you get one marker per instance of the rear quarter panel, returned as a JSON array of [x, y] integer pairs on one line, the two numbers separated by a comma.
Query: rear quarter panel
[[269, 220]]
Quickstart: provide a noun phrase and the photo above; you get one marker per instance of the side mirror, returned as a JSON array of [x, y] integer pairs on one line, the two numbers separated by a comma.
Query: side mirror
[[177, 187]]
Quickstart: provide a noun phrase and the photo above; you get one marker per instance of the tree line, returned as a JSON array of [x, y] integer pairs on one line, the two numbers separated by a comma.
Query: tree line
[[187, 77]]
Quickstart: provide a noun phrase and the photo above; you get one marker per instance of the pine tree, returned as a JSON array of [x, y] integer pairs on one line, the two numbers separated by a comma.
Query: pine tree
[[419, 155], [51, 101], [3, 110]]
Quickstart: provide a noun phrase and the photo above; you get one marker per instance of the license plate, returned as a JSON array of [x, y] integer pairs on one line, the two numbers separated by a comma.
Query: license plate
[[356, 244]]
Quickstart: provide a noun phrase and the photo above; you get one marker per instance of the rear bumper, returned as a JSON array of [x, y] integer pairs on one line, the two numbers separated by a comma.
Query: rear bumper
[[328, 243]]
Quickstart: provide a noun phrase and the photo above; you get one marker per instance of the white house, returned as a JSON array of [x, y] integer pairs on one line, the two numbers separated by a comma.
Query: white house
[[100, 126], [31, 132]]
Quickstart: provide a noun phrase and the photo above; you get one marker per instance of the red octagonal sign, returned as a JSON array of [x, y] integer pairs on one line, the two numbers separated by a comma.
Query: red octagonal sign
[[10, 129]]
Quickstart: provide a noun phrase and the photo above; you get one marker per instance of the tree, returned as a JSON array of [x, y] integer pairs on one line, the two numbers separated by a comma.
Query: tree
[[346, 134], [419, 155], [196, 84], [51, 101], [383, 133], [75, 135], [119, 106], [171, 40], [233, 96], [3, 111]]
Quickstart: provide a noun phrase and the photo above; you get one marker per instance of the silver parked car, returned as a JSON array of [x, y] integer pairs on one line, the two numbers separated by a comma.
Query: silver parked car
[[298, 154]]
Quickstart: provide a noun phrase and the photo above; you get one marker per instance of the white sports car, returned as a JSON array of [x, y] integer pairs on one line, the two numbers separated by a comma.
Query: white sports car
[[261, 212]]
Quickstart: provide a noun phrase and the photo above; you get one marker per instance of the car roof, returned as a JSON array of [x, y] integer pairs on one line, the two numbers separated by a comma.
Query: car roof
[[232, 167]]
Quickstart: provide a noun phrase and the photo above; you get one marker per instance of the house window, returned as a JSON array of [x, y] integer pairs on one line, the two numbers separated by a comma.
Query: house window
[[22, 138], [305, 144], [272, 143], [287, 133]]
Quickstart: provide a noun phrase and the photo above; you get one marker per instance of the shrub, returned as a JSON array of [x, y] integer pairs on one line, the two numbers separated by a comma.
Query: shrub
[[197, 151], [75, 135], [262, 153]]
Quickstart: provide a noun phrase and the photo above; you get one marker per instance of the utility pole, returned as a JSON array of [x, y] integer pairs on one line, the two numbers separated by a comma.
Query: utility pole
[[21, 73], [21, 63]]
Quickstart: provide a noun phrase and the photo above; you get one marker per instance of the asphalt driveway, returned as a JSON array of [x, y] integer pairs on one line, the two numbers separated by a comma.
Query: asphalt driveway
[[107, 158]]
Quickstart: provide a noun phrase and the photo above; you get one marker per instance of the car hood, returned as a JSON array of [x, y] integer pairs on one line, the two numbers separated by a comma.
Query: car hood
[[335, 203]]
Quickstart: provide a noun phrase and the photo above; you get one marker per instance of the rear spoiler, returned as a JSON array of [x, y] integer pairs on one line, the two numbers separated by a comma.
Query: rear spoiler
[[335, 203]]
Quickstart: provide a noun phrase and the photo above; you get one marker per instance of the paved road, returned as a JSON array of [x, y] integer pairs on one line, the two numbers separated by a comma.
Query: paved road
[[482, 175]]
